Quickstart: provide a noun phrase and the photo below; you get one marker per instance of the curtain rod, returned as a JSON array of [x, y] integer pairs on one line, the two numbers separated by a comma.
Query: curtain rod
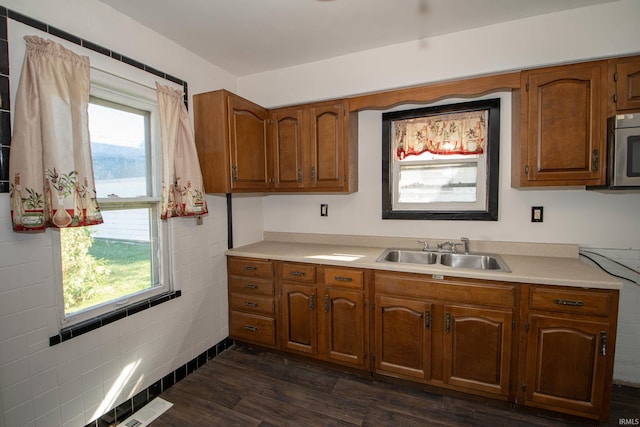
[[127, 79]]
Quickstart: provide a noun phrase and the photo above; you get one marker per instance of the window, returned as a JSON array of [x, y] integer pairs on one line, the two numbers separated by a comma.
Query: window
[[122, 261], [441, 162]]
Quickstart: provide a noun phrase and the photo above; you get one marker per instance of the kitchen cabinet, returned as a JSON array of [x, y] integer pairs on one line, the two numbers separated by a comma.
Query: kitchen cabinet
[[627, 83], [570, 340], [231, 135], [252, 301], [315, 147], [449, 333], [560, 126], [324, 316]]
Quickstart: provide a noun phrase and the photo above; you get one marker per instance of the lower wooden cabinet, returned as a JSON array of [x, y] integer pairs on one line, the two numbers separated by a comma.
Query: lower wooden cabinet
[[549, 347], [422, 333], [324, 316], [570, 341]]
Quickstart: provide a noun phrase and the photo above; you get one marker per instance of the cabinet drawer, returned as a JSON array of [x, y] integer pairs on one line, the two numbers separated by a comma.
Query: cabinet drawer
[[253, 304], [298, 272], [251, 286], [570, 301], [253, 328], [250, 267], [343, 277]]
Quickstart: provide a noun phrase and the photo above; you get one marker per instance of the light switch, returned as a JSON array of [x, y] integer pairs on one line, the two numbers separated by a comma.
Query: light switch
[[324, 210], [536, 213]]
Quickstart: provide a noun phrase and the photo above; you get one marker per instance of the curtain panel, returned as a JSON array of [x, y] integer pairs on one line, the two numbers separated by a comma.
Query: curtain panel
[[182, 187], [51, 173], [454, 133]]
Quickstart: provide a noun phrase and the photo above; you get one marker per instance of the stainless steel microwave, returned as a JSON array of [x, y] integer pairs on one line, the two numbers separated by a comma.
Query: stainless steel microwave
[[623, 152]]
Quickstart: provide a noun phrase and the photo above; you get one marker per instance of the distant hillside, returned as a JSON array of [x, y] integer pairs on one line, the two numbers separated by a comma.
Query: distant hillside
[[115, 161]]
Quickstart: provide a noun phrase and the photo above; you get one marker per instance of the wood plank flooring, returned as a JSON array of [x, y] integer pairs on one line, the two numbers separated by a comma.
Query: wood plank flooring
[[249, 387]]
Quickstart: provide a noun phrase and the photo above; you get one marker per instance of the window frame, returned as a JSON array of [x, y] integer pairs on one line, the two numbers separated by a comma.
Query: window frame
[[112, 90], [491, 154]]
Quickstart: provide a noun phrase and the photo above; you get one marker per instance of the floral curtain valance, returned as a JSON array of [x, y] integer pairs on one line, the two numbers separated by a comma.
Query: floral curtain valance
[[455, 133], [182, 187], [51, 174]]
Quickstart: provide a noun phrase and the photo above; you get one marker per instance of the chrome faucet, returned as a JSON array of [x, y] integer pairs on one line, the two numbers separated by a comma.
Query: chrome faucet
[[425, 243], [465, 241]]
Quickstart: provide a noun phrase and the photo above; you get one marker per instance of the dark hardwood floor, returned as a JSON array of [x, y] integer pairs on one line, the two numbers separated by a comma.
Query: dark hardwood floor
[[249, 387]]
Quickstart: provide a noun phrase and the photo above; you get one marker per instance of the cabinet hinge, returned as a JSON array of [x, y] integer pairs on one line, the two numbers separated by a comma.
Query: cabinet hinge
[[524, 386], [595, 160], [373, 305], [234, 173], [510, 385], [527, 87], [526, 169], [603, 343], [526, 327], [513, 324], [364, 355]]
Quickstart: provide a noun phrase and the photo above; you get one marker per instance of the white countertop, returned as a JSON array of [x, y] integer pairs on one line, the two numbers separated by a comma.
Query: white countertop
[[548, 270]]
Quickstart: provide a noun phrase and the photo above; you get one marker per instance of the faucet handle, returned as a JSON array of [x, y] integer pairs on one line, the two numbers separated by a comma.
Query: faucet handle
[[425, 243]]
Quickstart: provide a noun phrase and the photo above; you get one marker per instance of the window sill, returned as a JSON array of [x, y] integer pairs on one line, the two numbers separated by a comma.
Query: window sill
[[98, 322]]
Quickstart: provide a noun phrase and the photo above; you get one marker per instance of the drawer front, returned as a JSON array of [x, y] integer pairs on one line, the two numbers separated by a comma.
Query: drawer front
[[298, 272], [570, 301], [251, 286], [253, 328], [253, 304], [343, 277], [250, 267]]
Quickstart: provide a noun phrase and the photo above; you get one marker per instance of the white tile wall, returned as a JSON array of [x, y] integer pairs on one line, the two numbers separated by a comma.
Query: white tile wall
[[627, 362], [66, 384]]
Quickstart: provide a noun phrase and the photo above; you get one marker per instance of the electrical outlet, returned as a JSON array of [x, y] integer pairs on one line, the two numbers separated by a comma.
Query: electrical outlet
[[536, 213], [324, 210]]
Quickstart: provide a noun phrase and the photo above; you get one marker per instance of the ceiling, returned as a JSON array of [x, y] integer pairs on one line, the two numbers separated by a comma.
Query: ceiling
[[251, 36]]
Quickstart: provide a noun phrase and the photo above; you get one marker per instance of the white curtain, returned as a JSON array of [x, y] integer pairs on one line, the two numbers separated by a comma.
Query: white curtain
[[51, 174], [182, 188]]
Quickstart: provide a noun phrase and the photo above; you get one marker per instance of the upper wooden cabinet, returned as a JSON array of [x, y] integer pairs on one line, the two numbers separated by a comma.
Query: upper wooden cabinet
[[315, 147], [559, 126], [231, 136], [244, 147], [627, 83]]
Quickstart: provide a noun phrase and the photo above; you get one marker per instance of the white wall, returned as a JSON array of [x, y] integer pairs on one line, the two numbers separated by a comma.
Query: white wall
[[571, 215], [69, 383]]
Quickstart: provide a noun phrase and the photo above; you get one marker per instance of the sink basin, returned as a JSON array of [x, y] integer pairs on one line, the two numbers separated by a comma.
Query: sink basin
[[453, 260], [475, 261], [409, 256]]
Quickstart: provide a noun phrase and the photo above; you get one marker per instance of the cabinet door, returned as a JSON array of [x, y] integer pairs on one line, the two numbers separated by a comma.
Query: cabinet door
[[403, 337], [566, 364], [287, 147], [566, 132], [343, 326], [327, 145], [299, 318], [628, 84], [477, 345], [248, 145]]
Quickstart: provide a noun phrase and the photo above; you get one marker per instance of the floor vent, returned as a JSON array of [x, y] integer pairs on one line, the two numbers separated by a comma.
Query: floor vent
[[147, 414]]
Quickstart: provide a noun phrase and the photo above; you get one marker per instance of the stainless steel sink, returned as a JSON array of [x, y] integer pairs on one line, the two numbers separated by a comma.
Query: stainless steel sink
[[475, 261], [454, 260], [409, 256]]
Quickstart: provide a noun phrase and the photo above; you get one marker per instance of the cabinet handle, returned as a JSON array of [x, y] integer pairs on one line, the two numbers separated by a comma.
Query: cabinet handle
[[313, 301], [250, 286], [313, 174], [603, 343], [427, 319], [250, 268], [251, 328], [250, 304], [234, 173], [447, 323], [300, 176], [568, 302], [326, 303], [298, 273], [596, 160], [342, 279]]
